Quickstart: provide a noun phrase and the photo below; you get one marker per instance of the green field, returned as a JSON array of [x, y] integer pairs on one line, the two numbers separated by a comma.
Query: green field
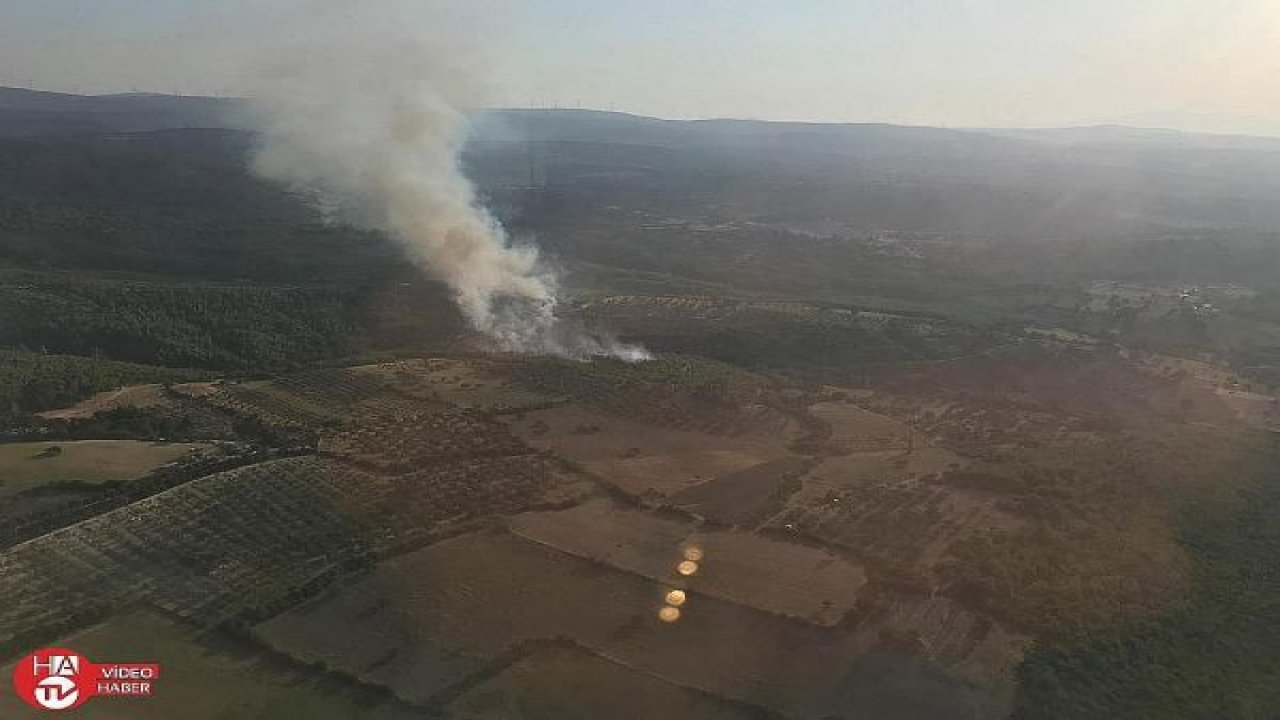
[[24, 466]]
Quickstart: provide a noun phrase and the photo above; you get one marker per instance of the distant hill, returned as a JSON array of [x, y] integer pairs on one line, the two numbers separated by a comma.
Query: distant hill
[[150, 198], [1122, 135], [871, 177], [884, 177], [32, 113]]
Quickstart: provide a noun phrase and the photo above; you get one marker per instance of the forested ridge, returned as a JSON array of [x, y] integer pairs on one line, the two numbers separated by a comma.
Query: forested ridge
[[162, 249], [34, 381]]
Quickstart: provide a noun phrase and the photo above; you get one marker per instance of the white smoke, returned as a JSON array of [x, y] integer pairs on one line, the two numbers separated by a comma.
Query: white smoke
[[366, 111]]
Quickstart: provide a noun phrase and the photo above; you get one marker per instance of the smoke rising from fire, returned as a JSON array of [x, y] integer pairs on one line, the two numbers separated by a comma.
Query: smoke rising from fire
[[366, 113]]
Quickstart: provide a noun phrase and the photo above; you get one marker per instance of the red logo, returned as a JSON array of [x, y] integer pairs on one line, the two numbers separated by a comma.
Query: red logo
[[62, 679]]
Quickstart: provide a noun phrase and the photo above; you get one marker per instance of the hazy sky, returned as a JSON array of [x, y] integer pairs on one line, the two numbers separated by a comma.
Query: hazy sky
[[1198, 64]]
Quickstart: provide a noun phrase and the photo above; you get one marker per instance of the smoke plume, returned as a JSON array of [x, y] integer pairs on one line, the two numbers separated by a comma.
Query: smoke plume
[[366, 112]]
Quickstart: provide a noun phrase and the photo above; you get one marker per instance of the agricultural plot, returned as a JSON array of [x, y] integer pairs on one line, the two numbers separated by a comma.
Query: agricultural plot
[[874, 494], [773, 576], [638, 458], [196, 389], [738, 653], [879, 468], [744, 497], [355, 396], [968, 645], [316, 399], [424, 618], [854, 429], [332, 388], [566, 682], [395, 510], [676, 392], [406, 442], [133, 396], [203, 681], [242, 542], [880, 506], [473, 384], [427, 620], [24, 466], [205, 550], [271, 406]]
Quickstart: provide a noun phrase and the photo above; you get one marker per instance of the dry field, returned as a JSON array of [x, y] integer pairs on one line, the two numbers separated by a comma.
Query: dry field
[[790, 580], [134, 396], [640, 459], [28, 465], [854, 429], [746, 497]]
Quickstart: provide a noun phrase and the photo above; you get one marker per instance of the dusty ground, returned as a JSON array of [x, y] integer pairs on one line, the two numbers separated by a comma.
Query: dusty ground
[[134, 396]]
